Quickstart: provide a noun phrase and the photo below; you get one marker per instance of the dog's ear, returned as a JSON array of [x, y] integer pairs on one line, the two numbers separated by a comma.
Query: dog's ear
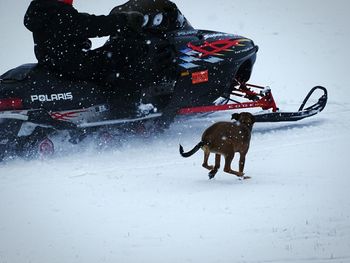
[[235, 116]]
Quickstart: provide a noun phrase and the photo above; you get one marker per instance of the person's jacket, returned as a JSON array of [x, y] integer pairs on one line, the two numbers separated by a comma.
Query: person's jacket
[[60, 32]]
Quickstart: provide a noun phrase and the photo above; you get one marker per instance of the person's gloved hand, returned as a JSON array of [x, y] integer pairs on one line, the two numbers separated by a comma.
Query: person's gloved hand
[[134, 20], [161, 60], [161, 53], [86, 45]]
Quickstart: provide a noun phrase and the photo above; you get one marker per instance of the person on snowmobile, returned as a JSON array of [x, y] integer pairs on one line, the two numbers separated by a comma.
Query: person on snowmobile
[[61, 37]]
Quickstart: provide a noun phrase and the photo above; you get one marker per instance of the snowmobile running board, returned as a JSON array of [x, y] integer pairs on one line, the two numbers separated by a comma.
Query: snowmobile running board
[[46, 120], [264, 100], [121, 121]]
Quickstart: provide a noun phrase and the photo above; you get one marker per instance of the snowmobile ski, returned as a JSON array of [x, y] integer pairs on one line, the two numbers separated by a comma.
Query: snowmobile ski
[[302, 113], [264, 100]]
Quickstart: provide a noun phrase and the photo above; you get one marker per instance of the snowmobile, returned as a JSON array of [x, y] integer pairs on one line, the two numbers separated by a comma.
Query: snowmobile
[[212, 73]]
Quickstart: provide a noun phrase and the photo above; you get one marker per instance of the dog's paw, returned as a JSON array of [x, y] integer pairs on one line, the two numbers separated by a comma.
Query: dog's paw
[[239, 174], [212, 174]]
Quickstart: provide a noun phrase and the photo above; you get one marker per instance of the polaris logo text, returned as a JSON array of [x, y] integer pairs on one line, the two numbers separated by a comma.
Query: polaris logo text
[[52, 97]]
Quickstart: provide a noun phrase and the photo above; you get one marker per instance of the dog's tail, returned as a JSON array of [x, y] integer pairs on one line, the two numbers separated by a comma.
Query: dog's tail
[[193, 151]]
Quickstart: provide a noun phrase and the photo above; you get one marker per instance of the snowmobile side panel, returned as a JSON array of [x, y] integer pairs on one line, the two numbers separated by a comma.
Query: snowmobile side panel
[[39, 88]]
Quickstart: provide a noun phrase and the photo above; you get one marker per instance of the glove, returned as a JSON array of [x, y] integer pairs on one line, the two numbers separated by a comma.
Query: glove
[[86, 45], [161, 61], [163, 55], [134, 20]]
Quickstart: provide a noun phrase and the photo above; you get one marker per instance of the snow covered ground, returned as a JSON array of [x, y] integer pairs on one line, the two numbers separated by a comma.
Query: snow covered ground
[[142, 202]]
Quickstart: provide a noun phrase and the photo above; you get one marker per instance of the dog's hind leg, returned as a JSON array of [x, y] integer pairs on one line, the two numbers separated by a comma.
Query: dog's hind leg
[[206, 158], [213, 172], [227, 168]]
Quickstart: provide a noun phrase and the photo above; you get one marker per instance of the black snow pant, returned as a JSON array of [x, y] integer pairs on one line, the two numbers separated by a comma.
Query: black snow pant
[[124, 66], [113, 60], [116, 66]]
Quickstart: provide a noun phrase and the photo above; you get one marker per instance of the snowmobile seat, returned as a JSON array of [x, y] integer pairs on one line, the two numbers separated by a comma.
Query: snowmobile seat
[[18, 74]]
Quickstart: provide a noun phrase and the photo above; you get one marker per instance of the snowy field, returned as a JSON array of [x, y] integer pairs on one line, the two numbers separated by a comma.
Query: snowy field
[[142, 203]]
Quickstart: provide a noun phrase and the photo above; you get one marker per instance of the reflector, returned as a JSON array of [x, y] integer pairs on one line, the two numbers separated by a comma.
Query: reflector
[[11, 104]]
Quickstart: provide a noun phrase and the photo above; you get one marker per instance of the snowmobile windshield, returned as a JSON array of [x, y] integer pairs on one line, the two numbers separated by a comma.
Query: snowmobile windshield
[[161, 15]]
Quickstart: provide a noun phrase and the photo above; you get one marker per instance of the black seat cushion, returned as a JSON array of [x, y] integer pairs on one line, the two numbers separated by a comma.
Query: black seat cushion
[[20, 73]]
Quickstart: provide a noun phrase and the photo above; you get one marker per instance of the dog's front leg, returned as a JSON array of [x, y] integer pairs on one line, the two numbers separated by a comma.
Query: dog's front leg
[[241, 164], [213, 172]]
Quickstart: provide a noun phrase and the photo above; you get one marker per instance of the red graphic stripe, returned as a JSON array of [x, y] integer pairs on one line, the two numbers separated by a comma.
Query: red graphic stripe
[[66, 116], [216, 47]]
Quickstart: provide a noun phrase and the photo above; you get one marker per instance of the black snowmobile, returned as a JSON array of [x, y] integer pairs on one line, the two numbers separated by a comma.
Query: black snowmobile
[[213, 69]]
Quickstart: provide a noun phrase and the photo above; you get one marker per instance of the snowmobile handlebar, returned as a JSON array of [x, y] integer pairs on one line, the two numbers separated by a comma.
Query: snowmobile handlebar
[[159, 15]]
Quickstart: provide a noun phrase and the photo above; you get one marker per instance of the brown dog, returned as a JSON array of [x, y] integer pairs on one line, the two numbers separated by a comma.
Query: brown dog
[[225, 138]]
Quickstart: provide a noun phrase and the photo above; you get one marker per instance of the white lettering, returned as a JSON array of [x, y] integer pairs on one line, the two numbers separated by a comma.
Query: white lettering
[[69, 96], [52, 97], [42, 98]]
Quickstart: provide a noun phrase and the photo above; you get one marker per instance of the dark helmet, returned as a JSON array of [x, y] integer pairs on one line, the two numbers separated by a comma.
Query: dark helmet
[[68, 2]]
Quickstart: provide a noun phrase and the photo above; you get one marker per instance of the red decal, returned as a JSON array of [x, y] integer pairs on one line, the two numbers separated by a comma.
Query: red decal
[[266, 102], [200, 77], [215, 47], [66, 116]]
